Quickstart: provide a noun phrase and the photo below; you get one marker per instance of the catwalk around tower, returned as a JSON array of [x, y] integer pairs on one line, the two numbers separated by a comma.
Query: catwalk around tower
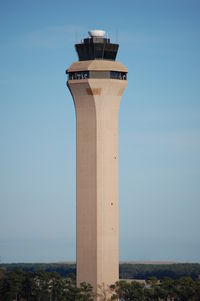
[[97, 83]]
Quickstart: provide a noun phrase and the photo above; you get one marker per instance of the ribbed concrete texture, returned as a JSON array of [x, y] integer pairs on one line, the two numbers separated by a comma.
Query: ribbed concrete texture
[[97, 103]]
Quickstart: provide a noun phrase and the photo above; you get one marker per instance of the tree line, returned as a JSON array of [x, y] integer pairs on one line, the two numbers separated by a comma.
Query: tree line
[[50, 286], [41, 286], [126, 270], [173, 271]]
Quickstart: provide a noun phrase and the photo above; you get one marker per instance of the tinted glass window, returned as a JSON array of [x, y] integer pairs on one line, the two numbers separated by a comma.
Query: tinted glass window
[[97, 74]]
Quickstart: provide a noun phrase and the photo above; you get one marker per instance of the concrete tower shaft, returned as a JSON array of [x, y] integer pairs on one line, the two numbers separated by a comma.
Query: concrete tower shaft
[[96, 87]]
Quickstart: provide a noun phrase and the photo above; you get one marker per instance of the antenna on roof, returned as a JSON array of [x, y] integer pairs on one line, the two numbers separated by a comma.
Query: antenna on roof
[[117, 38], [76, 36]]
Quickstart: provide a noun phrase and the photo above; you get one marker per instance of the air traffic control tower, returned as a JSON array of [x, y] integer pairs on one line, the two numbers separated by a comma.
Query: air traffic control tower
[[97, 83]]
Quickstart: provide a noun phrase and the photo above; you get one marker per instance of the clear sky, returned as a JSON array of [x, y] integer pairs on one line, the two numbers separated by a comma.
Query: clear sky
[[159, 127]]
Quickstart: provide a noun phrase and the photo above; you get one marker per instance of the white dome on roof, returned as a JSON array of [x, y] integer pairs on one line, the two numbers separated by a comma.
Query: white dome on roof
[[97, 33]]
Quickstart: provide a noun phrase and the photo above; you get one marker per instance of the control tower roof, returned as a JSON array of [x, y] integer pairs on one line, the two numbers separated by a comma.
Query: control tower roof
[[96, 46], [97, 65]]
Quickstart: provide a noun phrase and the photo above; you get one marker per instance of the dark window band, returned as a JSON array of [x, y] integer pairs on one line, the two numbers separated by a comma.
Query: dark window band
[[97, 74]]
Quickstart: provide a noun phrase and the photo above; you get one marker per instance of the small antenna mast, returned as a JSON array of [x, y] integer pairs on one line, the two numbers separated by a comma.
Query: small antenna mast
[[76, 36], [117, 36]]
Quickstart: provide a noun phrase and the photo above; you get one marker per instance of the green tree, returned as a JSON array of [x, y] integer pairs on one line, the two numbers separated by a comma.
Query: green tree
[[11, 286], [84, 292], [185, 289], [130, 291], [168, 290], [197, 290]]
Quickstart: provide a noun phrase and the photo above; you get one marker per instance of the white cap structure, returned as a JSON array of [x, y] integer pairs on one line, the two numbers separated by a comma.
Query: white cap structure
[[97, 33]]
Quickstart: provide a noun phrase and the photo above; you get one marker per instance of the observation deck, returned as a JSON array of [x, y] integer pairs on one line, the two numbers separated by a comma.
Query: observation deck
[[96, 46], [96, 59]]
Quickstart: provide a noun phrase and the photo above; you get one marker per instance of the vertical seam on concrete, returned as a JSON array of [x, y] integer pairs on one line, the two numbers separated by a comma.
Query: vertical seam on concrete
[[96, 204]]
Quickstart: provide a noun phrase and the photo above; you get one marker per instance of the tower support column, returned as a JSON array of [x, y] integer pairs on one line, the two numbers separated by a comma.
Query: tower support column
[[97, 103]]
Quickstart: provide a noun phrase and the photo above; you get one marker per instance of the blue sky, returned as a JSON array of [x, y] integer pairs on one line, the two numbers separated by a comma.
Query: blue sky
[[159, 127]]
